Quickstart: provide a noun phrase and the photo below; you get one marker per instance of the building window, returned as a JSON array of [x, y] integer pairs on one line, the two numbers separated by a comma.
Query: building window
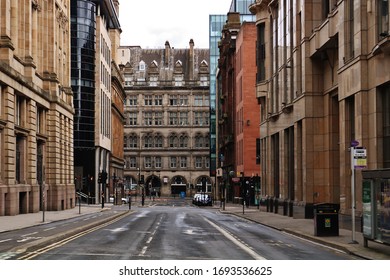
[[198, 162], [173, 100], [178, 80], [206, 141], [386, 126], [148, 100], [183, 118], [183, 162], [20, 110], [198, 141], [173, 141], [20, 158], [158, 141], [260, 52], [133, 162], [183, 141], [148, 141], [206, 118], [383, 18], [158, 162], [158, 118], [158, 100], [207, 162], [173, 162], [153, 81], [148, 118], [132, 100], [198, 100], [173, 118], [148, 162], [132, 141], [349, 29], [198, 118], [41, 121], [183, 100], [141, 65], [132, 118], [204, 81]]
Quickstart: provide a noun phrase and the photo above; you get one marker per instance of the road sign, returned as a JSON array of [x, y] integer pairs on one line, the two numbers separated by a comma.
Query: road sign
[[360, 158], [354, 143]]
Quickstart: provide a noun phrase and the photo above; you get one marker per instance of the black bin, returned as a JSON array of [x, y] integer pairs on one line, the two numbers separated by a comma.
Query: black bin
[[326, 219]]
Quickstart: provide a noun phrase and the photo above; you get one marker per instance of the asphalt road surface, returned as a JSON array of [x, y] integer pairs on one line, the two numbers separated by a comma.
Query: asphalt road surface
[[177, 230]]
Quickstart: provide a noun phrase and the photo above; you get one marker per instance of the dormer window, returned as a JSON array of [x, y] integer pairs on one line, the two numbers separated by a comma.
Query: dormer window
[[142, 65]]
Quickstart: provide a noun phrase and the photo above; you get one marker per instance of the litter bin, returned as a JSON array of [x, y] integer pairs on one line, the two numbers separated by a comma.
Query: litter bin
[[326, 219]]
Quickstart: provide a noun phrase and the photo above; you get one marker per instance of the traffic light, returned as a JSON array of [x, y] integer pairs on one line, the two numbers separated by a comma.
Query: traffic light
[[142, 180], [84, 181], [100, 178], [104, 177]]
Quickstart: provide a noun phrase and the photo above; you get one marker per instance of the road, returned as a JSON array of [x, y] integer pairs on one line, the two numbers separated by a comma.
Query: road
[[177, 230]]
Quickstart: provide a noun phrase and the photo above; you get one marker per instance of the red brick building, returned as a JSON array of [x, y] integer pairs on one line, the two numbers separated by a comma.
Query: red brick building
[[238, 111]]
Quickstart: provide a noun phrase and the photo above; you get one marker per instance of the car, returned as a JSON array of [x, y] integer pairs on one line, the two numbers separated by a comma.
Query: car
[[125, 200], [202, 199]]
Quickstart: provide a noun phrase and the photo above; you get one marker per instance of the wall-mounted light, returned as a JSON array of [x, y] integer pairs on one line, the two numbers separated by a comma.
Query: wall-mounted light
[[248, 122]]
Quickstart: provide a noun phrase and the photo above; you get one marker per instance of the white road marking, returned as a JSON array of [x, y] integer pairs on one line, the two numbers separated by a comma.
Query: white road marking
[[5, 240], [49, 229], [235, 241]]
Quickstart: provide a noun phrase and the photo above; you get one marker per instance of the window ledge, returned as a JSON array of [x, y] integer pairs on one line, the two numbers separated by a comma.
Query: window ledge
[[383, 46]]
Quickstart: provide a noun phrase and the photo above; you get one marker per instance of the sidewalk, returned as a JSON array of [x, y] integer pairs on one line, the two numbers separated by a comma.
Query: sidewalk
[[304, 228], [8, 223]]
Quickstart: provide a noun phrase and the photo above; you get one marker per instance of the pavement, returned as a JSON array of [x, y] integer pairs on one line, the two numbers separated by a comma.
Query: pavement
[[303, 228]]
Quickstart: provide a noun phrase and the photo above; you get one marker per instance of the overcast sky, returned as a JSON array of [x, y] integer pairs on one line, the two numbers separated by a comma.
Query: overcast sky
[[149, 23]]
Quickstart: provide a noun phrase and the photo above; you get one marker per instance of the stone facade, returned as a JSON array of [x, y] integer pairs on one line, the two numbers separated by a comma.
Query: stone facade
[[36, 109], [166, 130], [323, 82]]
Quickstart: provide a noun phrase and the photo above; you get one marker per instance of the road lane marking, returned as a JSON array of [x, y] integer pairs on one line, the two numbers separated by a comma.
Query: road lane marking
[[252, 253], [5, 240], [150, 239], [49, 228], [60, 243], [28, 234]]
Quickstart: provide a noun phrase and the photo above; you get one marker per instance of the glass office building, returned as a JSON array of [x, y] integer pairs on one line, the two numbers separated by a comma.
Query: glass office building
[[83, 37], [216, 23]]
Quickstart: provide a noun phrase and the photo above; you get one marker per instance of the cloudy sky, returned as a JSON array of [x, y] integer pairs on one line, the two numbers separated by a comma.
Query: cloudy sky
[[149, 23]]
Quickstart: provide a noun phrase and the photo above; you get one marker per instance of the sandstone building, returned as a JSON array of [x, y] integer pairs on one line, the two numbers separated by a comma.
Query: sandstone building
[[323, 82], [166, 134], [36, 107]]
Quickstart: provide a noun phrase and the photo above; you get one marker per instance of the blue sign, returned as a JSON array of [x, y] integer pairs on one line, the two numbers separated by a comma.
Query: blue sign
[[354, 143]]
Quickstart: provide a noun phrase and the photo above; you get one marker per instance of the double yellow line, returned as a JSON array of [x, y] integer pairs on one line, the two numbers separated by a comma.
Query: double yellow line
[[35, 253]]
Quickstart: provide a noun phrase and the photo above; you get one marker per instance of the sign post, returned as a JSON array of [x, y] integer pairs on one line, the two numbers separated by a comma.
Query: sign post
[[358, 161]]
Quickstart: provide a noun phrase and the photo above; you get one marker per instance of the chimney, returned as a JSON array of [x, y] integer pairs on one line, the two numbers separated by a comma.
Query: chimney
[[167, 53], [191, 60]]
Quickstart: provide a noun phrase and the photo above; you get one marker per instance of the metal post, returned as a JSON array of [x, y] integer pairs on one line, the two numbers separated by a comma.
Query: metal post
[[353, 204], [43, 202]]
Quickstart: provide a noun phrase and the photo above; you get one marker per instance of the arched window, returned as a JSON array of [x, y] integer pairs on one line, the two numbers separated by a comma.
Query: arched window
[[183, 141], [198, 141], [158, 141], [133, 141], [206, 141], [148, 141], [173, 141]]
